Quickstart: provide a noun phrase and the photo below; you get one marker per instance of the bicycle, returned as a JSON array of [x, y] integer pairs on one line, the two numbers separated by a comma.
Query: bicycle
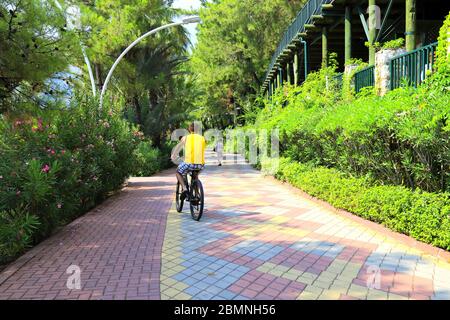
[[196, 197]]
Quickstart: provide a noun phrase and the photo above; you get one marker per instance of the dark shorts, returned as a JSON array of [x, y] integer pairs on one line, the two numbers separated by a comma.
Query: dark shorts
[[183, 167]]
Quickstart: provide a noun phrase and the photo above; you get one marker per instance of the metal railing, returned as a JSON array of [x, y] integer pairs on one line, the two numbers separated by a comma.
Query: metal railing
[[312, 7], [412, 67], [339, 78], [365, 78]]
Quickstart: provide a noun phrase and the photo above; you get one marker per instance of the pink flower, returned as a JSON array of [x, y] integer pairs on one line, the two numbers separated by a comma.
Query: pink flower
[[59, 205], [1, 177], [18, 193], [46, 168]]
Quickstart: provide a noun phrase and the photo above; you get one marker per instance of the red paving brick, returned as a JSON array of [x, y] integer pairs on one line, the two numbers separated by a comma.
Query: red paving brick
[[117, 246]]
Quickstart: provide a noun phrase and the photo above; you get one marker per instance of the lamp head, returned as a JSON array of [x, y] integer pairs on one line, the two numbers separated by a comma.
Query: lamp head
[[192, 19]]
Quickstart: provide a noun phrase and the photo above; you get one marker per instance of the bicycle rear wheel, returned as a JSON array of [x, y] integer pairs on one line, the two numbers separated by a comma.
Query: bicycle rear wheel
[[197, 200], [179, 202]]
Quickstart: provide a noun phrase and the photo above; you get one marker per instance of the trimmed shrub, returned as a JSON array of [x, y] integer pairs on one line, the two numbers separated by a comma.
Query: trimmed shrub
[[421, 215], [150, 160]]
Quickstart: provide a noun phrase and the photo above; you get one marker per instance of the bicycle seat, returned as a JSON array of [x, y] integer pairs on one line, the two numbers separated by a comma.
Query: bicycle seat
[[194, 173]]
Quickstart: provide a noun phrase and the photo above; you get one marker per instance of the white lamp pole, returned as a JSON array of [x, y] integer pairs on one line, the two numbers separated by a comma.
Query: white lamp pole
[[74, 13], [193, 19]]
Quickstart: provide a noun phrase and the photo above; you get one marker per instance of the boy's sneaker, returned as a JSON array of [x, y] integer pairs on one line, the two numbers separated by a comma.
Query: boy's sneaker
[[184, 195]]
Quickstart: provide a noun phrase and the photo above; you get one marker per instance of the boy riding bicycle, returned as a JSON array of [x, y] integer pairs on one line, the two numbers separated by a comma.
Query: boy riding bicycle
[[194, 157]]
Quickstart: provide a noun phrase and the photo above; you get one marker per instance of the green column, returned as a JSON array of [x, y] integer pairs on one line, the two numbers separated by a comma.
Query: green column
[[410, 27], [288, 72], [275, 82], [280, 76], [372, 31], [296, 67], [348, 33], [324, 47]]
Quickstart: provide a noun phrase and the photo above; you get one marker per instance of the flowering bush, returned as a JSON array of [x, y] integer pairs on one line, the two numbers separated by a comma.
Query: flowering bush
[[58, 166]]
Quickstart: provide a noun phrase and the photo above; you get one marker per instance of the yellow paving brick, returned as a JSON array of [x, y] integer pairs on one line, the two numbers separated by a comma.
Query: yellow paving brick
[[322, 284], [393, 296], [306, 295], [313, 289], [171, 292], [307, 278], [330, 295], [180, 286], [294, 232], [376, 295], [170, 282], [281, 268], [275, 272], [357, 291], [178, 268], [183, 296], [289, 276]]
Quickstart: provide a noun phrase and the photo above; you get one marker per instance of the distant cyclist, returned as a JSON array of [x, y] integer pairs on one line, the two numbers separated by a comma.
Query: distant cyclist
[[194, 156]]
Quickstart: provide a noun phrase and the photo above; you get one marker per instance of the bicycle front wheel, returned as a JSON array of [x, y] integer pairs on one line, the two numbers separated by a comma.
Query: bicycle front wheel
[[197, 200]]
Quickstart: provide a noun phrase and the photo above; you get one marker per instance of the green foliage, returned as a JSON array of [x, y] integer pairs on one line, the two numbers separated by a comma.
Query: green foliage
[[348, 87], [439, 81], [59, 165], [442, 55], [401, 138], [150, 79], [35, 45], [149, 160], [422, 215], [16, 230], [236, 41], [393, 44]]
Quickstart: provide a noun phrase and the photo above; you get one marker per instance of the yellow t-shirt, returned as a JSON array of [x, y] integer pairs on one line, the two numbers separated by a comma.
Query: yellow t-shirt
[[195, 149]]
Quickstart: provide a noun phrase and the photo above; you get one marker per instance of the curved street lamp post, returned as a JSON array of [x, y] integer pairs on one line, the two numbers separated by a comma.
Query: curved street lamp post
[[193, 19]]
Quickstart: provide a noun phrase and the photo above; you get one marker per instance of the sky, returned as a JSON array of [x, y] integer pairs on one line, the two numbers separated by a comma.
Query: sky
[[189, 4]]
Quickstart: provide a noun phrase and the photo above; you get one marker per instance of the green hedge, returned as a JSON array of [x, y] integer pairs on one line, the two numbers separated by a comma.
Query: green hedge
[[401, 138], [421, 215]]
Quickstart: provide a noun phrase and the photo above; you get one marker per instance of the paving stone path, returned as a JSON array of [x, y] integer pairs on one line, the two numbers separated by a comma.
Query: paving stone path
[[258, 239]]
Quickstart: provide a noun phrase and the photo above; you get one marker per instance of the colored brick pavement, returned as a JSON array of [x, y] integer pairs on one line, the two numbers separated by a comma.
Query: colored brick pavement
[[258, 239]]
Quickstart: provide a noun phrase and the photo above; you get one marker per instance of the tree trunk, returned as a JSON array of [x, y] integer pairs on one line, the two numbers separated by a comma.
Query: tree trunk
[[152, 98], [137, 108], [98, 76]]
